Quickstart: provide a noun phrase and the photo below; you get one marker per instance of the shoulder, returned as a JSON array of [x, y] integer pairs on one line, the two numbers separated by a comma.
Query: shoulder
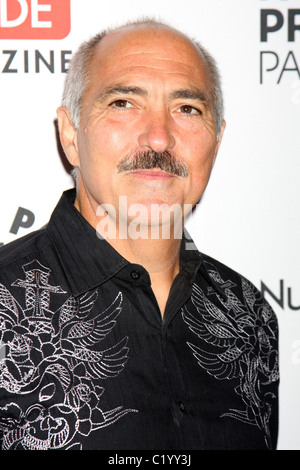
[[215, 266], [238, 290], [221, 273], [25, 248]]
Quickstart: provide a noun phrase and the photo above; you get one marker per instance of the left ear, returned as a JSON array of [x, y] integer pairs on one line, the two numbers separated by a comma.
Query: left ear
[[68, 136], [219, 139]]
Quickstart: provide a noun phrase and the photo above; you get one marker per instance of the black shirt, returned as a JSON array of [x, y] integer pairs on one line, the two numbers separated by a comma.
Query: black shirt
[[90, 363]]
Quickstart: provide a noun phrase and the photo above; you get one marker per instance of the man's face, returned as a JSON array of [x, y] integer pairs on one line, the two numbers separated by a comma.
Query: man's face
[[148, 90]]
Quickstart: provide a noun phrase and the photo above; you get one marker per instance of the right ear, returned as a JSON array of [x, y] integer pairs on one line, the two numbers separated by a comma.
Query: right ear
[[68, 136]]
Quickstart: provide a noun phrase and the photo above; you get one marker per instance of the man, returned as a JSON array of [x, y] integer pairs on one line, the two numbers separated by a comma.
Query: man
[[117, 334]]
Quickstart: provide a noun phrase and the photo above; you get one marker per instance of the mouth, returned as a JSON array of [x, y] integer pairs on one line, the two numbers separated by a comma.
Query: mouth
[[154, 173], [150, 164]]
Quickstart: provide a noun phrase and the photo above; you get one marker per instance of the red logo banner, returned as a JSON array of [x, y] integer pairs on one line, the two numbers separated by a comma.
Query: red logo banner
[[35, 19]]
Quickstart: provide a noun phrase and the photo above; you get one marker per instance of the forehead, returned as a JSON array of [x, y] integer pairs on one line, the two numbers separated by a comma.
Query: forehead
[[146, 52]]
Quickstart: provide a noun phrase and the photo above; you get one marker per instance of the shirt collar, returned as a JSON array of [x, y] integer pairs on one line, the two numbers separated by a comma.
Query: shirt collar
[[88, 260]]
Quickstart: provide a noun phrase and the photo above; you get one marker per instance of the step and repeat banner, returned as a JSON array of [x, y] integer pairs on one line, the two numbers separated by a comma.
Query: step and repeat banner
[[249, 217]]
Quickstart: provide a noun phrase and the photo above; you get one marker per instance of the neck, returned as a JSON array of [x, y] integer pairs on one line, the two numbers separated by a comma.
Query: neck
[[156, 256], [159, 256]]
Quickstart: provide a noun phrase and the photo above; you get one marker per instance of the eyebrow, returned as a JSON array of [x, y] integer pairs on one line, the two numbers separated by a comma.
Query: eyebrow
[[191, 94], [195, 94], [121, 90]]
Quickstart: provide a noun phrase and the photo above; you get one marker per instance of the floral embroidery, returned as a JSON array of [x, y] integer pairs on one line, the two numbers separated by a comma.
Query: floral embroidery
[[53, 360]]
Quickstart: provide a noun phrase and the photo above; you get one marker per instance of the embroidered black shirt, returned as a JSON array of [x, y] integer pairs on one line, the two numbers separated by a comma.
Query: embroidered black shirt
[[89, 363]]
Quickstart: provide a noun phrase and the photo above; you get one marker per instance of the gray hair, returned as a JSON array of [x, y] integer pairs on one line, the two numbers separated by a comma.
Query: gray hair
[[78, 74]]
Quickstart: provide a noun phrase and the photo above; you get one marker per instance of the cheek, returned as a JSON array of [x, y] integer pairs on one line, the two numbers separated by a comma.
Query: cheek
[[200, 163], [198, 180], [107, 143], [201, 156]]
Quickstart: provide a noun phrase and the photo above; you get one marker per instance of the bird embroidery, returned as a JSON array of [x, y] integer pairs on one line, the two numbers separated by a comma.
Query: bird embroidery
[[236, 342]]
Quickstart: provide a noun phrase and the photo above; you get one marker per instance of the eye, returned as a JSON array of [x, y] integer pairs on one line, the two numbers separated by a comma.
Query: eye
[[121, 104], [188, 109]]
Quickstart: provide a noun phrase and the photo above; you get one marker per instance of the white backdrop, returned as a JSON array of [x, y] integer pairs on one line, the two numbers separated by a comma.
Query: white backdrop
[[249, 217]]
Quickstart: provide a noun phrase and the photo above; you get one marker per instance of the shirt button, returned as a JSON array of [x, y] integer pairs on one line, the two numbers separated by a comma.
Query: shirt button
[[135, 274], [181, 406]]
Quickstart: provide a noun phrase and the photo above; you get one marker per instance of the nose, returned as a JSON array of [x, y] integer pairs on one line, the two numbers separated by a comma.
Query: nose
[[157, 134]]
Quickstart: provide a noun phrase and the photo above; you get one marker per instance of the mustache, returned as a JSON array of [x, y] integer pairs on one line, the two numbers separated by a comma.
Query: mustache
[[148, 159]]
